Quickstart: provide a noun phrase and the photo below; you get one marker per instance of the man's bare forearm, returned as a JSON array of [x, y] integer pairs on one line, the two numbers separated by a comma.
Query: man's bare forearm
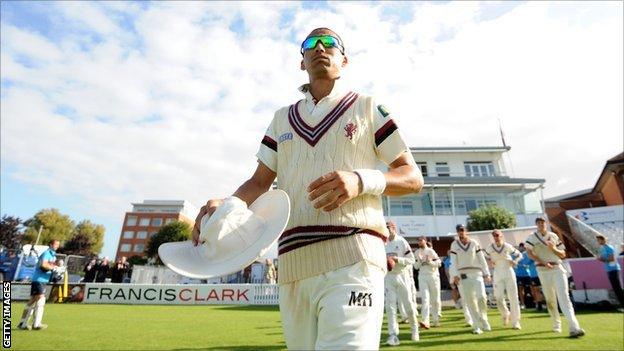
[[259, 183], [250, 190], [403, 177], [560, 253]]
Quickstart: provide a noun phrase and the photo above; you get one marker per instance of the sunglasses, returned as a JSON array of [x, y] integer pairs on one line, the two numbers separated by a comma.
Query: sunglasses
[[328, 41]]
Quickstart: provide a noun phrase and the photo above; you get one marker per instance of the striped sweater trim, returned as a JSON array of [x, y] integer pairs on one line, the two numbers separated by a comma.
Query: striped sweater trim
[[312, 135], [301, 236], [270, 143], [384, 132]]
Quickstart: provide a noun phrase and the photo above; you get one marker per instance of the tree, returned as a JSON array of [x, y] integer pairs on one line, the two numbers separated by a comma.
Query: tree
[[87, 239], [490, 217], [55, 226], [10, 232], [137, 260], [174, 231]]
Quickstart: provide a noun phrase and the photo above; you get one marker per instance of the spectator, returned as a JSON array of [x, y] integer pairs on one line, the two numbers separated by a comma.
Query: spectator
[[523, 276], [90, 271], [102, 271], [119, 270], [607, 256], [269, 272], [621, 249], [247, 275]]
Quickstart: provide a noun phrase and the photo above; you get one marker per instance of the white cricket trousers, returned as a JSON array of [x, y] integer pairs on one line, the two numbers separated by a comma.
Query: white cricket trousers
[[472, 291], [430, 303], [337, 310], [555, 287], [505, 287], [398, 290]]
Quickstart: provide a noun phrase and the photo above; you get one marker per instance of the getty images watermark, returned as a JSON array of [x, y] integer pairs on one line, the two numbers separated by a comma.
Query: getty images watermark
[[6, 315]]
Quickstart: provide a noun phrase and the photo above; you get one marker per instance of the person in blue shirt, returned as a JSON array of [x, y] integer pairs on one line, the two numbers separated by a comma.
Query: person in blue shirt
[[607, 256], [523, 276], [536, 291], [42, 275]]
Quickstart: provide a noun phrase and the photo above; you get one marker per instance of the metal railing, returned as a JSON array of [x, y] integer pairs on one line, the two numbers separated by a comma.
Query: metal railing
[[584, 235]]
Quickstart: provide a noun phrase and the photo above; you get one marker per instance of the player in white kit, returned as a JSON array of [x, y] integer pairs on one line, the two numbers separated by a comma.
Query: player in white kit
[[324, 151], [469, 270], [505, 258], [398, 285], [547, 251], [428, 263]]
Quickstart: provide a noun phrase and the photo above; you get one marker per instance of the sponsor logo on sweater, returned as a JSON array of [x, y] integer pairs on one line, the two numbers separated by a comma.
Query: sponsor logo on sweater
[[361, 299]]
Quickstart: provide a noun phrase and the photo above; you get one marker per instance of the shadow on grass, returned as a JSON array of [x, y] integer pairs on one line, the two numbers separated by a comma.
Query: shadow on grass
[[238, 347], [474, 339], [250, 308]]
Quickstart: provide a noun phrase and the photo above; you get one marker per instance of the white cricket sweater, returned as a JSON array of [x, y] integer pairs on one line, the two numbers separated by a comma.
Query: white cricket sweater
[[427, 262], [502, 258], [467, 258], [537, 243], [342, 132]]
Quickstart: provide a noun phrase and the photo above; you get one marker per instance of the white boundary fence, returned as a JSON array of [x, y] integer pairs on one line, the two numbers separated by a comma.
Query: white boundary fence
[[181, 294]]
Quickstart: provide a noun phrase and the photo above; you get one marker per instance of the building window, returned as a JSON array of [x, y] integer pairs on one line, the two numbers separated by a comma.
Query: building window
[[142, 235], [443, 202], [442, 169], [131, 220], [401, 207], [128, 234], [479, 169], [169, 220], [139, 248], [423, 168], [144, 222], [125, 248], [156, 222]]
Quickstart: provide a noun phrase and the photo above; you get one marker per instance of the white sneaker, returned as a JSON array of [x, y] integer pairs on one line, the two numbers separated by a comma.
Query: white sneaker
[[516, 326], [487, 327], [24, 326], [393, 340], [436, 324], [477, 331], [557, 329], [415, 335]]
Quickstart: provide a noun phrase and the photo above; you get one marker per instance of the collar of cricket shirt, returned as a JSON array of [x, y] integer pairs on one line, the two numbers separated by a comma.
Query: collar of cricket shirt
[[461, 246]]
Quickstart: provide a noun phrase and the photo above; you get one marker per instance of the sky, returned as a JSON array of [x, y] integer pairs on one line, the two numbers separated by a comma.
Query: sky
[[108, 103]]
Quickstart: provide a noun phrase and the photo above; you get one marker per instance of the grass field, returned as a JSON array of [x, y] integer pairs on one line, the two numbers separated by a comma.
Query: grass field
[[122, 327]]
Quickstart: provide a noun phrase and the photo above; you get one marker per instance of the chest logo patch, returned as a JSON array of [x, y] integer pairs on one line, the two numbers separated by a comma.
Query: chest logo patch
[[350, 129]]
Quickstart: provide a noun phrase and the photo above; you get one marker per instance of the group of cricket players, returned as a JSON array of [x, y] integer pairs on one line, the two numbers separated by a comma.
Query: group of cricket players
[[469, 271]]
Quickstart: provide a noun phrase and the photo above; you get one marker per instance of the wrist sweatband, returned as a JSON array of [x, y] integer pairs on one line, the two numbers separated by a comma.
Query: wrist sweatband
[[373, 181]]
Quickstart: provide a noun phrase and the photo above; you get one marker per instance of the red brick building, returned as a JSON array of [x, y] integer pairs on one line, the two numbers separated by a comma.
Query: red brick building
[[146, 219]]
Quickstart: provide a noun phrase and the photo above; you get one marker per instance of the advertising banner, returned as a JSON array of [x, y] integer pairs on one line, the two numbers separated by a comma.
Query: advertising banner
[[599, 214], [21, 291], [168, 294]]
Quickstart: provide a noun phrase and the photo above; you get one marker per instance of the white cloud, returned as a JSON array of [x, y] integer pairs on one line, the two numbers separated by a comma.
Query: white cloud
[[175, 107]]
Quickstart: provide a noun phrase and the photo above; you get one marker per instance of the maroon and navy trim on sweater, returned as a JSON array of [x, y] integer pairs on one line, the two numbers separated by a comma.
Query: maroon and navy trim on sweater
[[312, 135], [384, 132], [301, 236], [270, 143]]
